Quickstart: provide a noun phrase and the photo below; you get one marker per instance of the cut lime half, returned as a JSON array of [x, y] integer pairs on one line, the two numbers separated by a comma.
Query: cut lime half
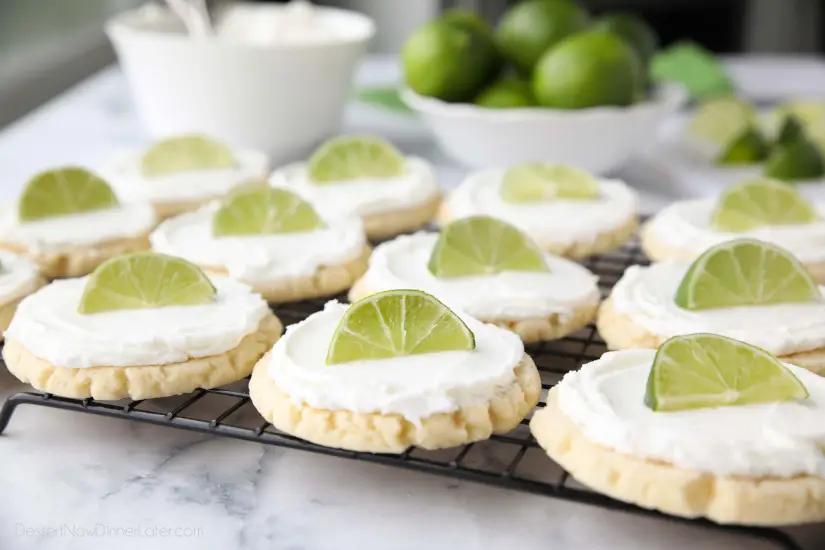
[[539, 182], [145, 280], [397, 323], [745, 272], [760, 202], [698, 371], [350, 158], [482, 245], [721, 119], [262, 211], [61, 192], [189, 153]]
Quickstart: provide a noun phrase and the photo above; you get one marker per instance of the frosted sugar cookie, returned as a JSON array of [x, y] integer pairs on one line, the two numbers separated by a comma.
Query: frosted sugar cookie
[[272, 240], [490, 270], [142, 325], [68, 221], [762, 209], [565, 210], [395, 370], [19, 277], [745, 289], [183, 173], [366, 176], [705, 427]]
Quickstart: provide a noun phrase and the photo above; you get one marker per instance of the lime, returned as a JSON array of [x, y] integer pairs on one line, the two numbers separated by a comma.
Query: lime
[[634, 30], [747, 148], [699, 371], [790, 130], [529, 28], [589, 69], [348, 158], [481, 245], [397, 323], [145, 280], [262, 211], [538, 182], [798, 160], [722, 119], [758, 202], [61, 192], [745, 272], [806, 111], [185, 154], [506, 93]]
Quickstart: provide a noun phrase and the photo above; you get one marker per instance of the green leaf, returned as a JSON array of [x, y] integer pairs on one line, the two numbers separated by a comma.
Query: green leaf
[[383, 97]]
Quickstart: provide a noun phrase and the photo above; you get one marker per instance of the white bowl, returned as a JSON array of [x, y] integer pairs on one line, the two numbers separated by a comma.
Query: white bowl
[[600, 139], [281, 98]]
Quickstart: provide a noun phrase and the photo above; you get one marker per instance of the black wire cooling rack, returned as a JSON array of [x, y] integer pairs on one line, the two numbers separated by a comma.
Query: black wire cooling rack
[[512, 461]]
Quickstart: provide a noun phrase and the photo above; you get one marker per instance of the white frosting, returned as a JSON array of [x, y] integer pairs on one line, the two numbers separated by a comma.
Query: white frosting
[[18, 277], [567, 287], [685, 225], [48, 325], [260, 258], [123, 221], [646, 295], [562, 221], [605, 399], [415, 386], [360, 197], [125, 177]]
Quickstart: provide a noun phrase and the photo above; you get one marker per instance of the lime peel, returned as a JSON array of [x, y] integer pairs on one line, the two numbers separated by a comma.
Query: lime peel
[[264, 211], [62, 192]]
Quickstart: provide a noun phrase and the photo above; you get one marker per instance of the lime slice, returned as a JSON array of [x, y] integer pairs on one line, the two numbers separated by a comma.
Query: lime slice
[[798, 160], [745, 272], [349, 158], [747, 148], [537, 182], [482, 245], [145, 280], [185, 154], [759, 202], [61, 192], [264, 210], [790, 131], [396, 323], [806, 111], [698, 371], [721, 119]]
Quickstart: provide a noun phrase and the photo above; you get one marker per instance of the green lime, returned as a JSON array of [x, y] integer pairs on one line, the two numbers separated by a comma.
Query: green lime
[[798, 160], [482, 245], [264, 211], [397, 323], [145, 280], [486, 53], [806, 111], [540, 182], [745, 272], [634, 30], [589, 69], [529, 28], [348, 158], [759, 202], [722, 119], [506, 93], [61, 192], [747, 148], [790, 130], [698, 371], [185, 154]]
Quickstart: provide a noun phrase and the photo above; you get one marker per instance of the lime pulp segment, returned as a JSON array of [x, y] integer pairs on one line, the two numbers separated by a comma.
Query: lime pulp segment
[[188, 153], [264, 211], [761, 202], [349, 158], [63, 191], [538, 182]]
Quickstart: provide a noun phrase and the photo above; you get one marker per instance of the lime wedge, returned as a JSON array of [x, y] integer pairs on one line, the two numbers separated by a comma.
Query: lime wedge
[[537, 182], [759, 202], [185, 154], [806, 111], [262, 211], [349, 158], [61, 192], [396, 323], [749, 147], [798, 160], [745, 272], [145, 280], [790, 131], [698, 371], [721, 119], [481, 245]]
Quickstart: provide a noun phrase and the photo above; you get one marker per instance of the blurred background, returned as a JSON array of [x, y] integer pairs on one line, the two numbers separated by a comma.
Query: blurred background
[[48, 45]]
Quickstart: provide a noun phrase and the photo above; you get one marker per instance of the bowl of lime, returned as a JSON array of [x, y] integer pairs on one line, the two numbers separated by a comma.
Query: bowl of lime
[[549, 83]]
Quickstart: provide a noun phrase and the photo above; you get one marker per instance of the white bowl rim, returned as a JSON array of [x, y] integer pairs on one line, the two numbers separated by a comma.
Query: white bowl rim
[[670, 95], [119, 24]]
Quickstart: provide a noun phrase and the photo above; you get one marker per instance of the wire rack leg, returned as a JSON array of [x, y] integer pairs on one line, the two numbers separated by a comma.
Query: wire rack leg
[[9, 407]]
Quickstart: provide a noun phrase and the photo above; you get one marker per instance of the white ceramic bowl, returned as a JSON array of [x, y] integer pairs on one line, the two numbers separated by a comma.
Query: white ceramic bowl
[[599, 139], [281, 98]]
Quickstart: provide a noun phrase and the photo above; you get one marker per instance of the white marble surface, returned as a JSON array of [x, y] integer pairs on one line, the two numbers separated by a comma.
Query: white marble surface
[[74, 481]]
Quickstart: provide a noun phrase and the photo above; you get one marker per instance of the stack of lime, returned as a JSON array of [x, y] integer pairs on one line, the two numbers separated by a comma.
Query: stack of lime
[[542, 53]]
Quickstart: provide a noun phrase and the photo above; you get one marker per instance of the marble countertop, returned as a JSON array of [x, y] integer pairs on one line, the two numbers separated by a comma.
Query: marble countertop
[[74, 481]]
